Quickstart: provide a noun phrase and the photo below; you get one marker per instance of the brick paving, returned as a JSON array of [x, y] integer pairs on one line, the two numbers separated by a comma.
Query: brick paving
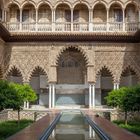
[[34, 131], [115, 132]]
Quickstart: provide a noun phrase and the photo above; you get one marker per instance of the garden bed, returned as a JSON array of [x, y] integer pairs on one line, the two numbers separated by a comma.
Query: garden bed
[[132, 126], [9, 128]]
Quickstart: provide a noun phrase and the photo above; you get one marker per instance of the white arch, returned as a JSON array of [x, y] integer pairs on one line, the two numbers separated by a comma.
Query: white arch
[[63, 2], [13, 2], [44, 3], [116, 2], [100, 2], [28, 2], [81, 2], [131, 2]]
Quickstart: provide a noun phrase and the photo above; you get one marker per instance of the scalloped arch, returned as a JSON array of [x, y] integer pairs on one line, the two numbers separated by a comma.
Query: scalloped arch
[[81, 2], [38, 68], [28, 2], [11, 69], [131, 68], [75, 47], [63, 2], [108, 69], [45, 2]]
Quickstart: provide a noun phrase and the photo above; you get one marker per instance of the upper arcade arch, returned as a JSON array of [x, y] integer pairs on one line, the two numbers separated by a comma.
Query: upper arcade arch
[[119, 3], [26, 3], [63, 3], [104, 3], [83, 2], [41, 3]]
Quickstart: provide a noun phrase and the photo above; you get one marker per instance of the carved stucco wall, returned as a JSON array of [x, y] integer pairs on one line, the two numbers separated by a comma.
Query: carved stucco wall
[[114, 56]]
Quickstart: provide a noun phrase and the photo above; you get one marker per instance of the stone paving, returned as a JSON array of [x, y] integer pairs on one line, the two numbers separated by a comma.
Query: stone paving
[[34, 131], [115, 132]]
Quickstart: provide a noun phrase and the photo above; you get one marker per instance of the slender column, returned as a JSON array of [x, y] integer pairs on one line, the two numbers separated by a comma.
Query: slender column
[[50, 96], [93, 95], [37, 19], [139, 20], [53, 20], [5, 15], [107, 20], [124, 20], [53, 95], [20, 20], [117, 85], [90, 20], [27, 105], [2, 14], [72, 19], [114, 86], [90, 132], [24, 105], [89, 96]]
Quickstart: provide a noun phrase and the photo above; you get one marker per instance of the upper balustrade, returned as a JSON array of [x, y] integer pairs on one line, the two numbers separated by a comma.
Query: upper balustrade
[[79, 18]]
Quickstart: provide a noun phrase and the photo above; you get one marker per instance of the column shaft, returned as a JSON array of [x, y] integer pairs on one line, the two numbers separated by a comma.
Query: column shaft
[[93, 96], [89, 96], [20, 19], [53, 95], [50, 98]]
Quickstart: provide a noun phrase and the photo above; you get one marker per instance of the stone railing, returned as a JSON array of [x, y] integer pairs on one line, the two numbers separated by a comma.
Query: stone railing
[[72, 27]]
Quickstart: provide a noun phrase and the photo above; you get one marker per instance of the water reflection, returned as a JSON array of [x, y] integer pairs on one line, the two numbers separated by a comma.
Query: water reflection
[[73, 126]]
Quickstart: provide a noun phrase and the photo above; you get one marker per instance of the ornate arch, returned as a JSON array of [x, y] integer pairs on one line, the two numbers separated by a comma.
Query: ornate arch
[[131, 67], [12, 69], [28, 2], [100, 2], [116, 2], [84, 2], [62, 2], [108, 69], [75, 47], [45, 2], [40, 69], [13, 2]]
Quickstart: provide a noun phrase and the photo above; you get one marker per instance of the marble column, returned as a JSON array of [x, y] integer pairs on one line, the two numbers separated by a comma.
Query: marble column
[[50, 96], [93, 95], [89, 95], [53, 95]]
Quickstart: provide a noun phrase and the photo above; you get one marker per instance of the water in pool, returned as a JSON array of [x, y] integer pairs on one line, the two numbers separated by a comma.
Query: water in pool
[[73, 126]]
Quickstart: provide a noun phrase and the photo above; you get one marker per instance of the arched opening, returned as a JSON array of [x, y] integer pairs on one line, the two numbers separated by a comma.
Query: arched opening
[[99, 17], [28, 17], [128, 78], [131, 17], [63, 18], [14, 75], [13, 17], [104, 84], [81, 18], [44, 18], [39, 83], [116, 17], [71, 78]]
